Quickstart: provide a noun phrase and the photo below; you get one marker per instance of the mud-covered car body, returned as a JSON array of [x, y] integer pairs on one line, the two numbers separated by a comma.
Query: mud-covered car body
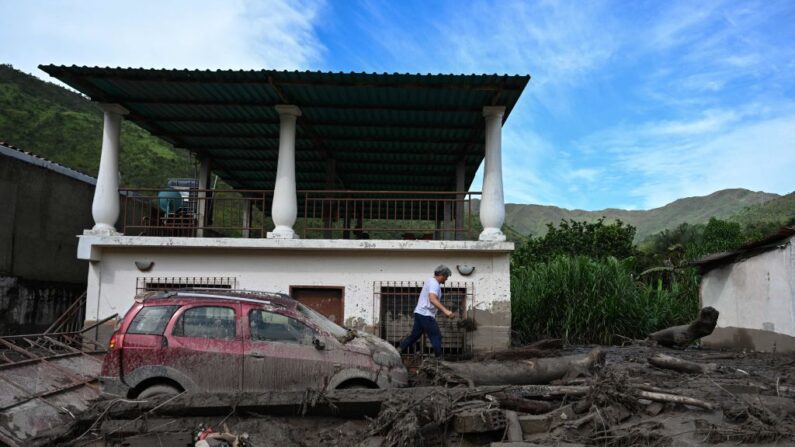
[[232, 341]]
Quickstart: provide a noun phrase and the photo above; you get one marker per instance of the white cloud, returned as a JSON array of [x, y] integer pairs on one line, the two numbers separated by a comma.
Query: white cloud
[[755, 153], [232, 34]]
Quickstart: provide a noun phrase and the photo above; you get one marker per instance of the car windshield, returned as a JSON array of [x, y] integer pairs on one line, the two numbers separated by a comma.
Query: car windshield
[[324, 323]]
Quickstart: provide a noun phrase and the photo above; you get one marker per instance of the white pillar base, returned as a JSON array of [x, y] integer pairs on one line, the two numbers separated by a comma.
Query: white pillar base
[[282, 233], [102, 230], [492, 234]]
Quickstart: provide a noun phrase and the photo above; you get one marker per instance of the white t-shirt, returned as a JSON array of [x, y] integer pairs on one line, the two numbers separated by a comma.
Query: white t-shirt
[[424, 306]]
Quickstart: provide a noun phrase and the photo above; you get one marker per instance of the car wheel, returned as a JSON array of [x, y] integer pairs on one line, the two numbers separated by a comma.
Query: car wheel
[[158, 391]]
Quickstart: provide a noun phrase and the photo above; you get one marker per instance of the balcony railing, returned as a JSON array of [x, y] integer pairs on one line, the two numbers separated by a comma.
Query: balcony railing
[[327, 214]]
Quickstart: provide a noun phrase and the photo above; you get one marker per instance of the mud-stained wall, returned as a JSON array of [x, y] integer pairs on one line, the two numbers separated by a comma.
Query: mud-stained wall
[[757, 293], [42, 211], [29, 307], [112, 281]]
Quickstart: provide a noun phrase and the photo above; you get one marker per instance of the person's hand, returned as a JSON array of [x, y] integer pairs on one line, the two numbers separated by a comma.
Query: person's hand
[[450, 315]]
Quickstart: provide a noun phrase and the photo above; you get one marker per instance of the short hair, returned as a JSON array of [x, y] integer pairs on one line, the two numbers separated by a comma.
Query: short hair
[[442, 270]]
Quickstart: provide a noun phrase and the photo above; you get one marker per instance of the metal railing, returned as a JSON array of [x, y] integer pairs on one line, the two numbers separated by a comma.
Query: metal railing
[[196, 213], [386, 215], [325, 214]]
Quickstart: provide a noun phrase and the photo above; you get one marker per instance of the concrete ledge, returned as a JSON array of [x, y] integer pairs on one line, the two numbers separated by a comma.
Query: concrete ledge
[[90, 246], [737, 338]]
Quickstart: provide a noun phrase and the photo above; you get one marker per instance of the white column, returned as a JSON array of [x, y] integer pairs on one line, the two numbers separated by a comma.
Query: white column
[[285, 201], [492, 205], [105, 207], [201, 195]]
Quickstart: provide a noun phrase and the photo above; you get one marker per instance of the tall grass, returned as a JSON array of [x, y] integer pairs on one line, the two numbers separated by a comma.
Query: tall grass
[[585, 300]]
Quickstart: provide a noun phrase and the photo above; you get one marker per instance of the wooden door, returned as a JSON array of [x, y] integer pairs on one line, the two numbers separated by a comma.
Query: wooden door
[[327, 301]]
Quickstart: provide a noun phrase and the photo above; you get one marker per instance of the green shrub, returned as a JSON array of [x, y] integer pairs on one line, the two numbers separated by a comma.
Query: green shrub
[[587, 300]]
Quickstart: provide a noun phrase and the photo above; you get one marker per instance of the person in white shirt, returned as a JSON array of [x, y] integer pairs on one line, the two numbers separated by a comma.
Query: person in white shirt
[[425, 313]]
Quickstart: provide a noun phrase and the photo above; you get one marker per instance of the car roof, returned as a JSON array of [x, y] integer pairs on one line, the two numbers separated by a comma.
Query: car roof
[[270, 298]]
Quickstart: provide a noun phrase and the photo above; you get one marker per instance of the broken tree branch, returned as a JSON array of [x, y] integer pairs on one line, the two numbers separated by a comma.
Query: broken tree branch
[[679, 365], [663, 397], [523, 372], [682, 336]]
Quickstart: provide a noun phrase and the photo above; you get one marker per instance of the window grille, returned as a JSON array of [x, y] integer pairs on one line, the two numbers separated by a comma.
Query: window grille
[[396, 301], [153, 284]]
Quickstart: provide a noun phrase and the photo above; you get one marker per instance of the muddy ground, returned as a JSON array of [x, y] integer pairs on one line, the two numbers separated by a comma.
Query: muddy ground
[[752, 395]]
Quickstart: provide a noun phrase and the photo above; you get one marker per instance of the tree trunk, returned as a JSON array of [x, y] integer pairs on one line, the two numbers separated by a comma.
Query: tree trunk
[[524, 372], [682, 336]]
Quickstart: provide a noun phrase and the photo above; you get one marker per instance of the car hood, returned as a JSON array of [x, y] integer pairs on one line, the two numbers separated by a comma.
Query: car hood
[[370, 344]]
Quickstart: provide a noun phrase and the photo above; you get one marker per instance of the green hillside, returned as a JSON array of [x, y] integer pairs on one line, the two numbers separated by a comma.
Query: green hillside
[[532, 219], [780, 210], [60, 125]]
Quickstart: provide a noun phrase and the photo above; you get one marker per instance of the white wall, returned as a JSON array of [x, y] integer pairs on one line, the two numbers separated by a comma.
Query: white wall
[[756, 293], [112, 279]]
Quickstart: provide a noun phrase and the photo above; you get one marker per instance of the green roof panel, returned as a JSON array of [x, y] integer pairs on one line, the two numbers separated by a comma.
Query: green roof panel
[[388, 131]]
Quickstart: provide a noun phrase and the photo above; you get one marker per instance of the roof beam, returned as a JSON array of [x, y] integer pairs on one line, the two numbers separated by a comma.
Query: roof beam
[[270, 154], [269, 122], [270, 104], [275, 136], [361, 168]]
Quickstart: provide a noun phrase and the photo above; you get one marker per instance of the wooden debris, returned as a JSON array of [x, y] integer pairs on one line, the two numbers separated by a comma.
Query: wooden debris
[[539, 349], [513, 429], [679, 365], [683, 336], [510, 401], [662, 397]]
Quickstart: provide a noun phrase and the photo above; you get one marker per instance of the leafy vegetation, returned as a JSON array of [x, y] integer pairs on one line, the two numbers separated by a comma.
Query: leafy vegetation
[[585, 300], [64, 127], [581, 282]]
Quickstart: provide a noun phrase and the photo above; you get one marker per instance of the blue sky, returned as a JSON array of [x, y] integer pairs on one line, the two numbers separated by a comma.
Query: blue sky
[[632, 104]]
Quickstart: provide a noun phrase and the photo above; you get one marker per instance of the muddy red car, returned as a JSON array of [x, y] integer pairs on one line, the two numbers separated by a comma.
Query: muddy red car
[[231, 341]]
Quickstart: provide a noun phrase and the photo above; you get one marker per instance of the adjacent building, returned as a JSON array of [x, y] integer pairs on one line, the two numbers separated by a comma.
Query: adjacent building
[[753, 288], [42, 206]]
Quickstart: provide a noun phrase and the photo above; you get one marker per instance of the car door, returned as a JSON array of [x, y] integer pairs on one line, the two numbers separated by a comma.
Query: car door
[[205, 343], [279, 354]]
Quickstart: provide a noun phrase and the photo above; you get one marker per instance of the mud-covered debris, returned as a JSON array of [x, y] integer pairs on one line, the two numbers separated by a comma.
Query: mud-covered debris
[[683, 336]]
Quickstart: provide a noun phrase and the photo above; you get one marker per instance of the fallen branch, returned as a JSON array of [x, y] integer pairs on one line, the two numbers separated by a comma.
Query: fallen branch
[[524, 372], [541, 348], [679, 365], [682, 336], [512, 402], [663, 397]]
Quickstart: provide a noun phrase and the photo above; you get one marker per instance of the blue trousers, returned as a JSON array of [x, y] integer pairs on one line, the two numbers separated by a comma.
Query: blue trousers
[[424, 324]]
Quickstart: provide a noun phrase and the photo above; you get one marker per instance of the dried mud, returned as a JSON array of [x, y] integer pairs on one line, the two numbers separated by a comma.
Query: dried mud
[[752, 394]]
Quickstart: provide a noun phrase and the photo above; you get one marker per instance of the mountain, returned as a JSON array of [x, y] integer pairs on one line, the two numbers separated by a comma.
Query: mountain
[[532, 219], [63, 126], [780, 210]]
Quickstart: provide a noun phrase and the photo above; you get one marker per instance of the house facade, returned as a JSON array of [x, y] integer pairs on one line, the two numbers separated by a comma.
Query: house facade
[[344, 190], [753, 288]]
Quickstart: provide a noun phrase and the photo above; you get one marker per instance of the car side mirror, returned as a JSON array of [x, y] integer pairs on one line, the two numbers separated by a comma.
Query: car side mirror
[[319, 345]]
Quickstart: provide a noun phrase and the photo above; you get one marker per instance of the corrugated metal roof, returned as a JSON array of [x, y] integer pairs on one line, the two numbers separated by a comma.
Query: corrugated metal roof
[[387, 131], [771, 242], [19, 154]]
